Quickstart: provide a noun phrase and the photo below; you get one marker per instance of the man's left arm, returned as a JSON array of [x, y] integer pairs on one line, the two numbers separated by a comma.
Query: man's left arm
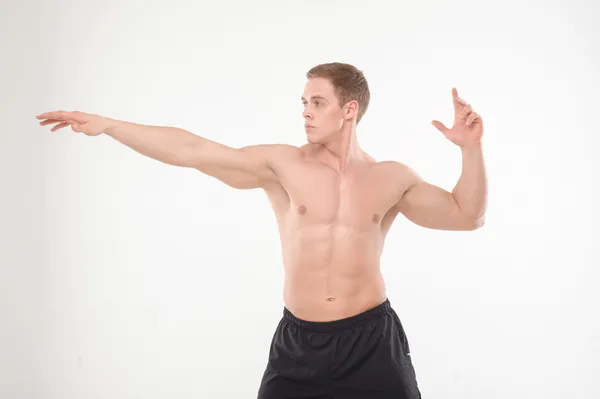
[[471, 190], [463, 208]]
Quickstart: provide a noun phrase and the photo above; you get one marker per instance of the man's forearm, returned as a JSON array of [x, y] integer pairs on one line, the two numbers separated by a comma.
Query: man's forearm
[[471, 190], [170, 145]]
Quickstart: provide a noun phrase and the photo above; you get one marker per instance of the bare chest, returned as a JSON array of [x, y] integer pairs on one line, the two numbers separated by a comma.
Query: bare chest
[[360, 198]]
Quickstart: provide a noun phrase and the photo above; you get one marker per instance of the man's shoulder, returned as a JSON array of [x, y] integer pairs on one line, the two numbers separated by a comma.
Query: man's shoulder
[[277, 146], [398, 171], [275, 149], [394, 166]]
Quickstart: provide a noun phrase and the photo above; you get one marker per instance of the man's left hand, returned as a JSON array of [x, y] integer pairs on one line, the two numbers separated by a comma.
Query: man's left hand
[[468, 127]]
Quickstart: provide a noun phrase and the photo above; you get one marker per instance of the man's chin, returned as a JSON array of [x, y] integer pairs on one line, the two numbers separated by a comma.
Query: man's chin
[[312, 139]]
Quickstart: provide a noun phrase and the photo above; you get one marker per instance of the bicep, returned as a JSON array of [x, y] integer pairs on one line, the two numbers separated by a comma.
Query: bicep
[[433, 207], [244, 168]]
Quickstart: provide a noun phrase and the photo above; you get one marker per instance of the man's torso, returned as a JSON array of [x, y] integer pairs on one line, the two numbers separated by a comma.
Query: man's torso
[[332, 227]]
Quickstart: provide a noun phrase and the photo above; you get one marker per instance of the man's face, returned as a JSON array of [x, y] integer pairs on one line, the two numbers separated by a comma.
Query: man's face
[[323, 116]]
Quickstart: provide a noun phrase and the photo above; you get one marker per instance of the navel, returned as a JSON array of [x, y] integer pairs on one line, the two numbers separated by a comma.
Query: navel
[[302, 209], [330, 299]]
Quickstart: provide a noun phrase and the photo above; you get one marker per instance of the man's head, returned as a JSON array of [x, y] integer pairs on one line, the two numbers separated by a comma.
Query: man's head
[[335, 95]]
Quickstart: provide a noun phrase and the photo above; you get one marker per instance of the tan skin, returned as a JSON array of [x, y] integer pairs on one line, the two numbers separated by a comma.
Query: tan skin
[[334, 203]]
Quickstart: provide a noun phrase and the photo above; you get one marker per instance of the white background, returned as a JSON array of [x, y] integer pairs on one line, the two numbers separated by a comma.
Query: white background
[[122, 277]]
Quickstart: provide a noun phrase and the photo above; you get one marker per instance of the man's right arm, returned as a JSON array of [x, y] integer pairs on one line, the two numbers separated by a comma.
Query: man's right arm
[[243, 168]]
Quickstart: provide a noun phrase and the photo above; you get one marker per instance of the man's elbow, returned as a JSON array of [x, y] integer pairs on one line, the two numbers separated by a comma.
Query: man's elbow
[[475, 223], [468, 223]]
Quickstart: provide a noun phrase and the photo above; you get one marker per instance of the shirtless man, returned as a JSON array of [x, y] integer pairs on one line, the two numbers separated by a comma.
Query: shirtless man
[[339, 336]]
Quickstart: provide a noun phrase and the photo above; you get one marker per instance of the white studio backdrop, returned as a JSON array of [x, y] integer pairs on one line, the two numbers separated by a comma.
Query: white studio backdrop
[[122, 277]]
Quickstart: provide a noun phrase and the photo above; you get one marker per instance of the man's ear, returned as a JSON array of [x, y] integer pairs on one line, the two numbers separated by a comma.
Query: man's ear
[[351, 109]]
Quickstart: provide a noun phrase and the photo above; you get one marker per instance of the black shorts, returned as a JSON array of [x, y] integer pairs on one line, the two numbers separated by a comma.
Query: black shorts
[[362, 356]]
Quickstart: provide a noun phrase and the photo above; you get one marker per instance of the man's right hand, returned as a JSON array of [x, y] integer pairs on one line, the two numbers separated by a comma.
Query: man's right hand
[[80, 122]]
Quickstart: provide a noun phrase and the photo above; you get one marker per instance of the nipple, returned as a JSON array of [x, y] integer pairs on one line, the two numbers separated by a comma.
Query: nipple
[[302, 209]]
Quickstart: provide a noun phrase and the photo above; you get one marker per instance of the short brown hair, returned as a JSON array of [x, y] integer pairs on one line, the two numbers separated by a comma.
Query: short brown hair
[[349, 84]]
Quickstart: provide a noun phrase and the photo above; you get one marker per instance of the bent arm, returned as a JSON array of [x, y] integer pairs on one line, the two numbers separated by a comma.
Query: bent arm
[[471, 190], [433, 207]]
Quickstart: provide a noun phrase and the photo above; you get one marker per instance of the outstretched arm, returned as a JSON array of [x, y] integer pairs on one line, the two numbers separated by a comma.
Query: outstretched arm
[[243, 168]]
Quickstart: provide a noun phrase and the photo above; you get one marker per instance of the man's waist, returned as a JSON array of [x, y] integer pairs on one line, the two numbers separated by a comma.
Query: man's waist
[[328, 299]]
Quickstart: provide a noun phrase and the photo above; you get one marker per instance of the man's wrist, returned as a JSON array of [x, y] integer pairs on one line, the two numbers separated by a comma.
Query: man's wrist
[[111, 126], [471, 147]]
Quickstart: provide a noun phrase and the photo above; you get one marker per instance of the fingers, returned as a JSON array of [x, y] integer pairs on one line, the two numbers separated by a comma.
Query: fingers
[[466, 113], [466, 110], [59, 126], [440, 126], [61, 119], [61, 116], [459, 103], [472, 118], [463, 109], [49, 122]]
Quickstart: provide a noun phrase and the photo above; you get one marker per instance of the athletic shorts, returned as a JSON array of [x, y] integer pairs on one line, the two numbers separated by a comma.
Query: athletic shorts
[[362, 356]]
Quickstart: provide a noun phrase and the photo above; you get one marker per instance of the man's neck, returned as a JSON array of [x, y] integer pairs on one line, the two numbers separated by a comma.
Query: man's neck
[[340, 153]]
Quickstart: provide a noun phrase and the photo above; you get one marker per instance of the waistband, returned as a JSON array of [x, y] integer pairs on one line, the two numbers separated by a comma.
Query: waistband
[[340, 324]]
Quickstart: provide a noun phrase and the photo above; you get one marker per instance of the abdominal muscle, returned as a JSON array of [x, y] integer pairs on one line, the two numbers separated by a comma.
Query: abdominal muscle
[[332, 272]]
